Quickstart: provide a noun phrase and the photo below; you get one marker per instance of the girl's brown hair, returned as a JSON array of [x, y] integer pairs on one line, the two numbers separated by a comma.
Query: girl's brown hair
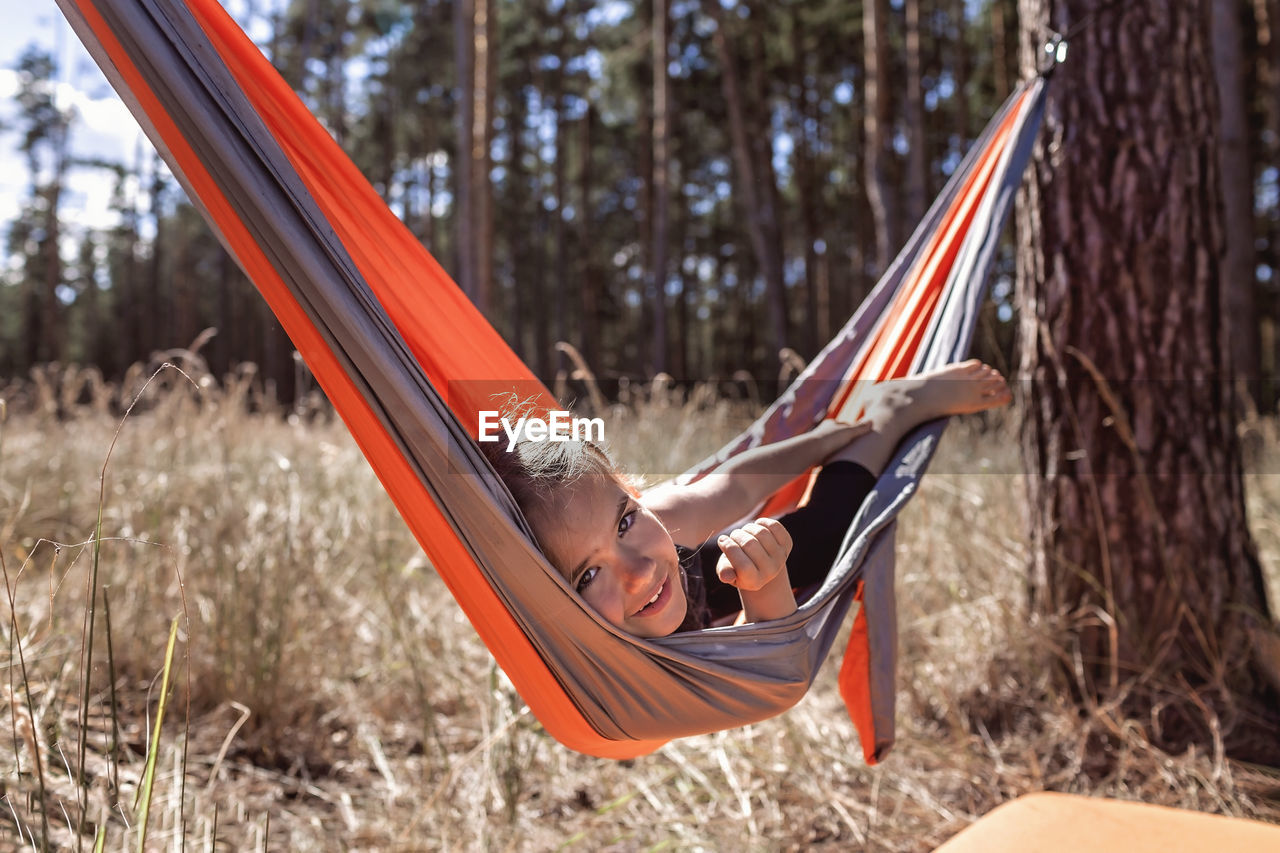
[[534, 471]]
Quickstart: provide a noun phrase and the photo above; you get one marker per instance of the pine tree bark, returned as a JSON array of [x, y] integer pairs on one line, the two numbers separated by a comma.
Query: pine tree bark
[[1139, 540]]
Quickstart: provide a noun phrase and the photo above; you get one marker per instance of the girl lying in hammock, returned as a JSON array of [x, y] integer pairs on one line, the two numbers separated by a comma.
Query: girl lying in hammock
[[618, 547]]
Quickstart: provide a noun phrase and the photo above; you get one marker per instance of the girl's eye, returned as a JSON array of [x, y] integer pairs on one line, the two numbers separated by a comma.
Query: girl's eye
[[625, 523], [585, 579]]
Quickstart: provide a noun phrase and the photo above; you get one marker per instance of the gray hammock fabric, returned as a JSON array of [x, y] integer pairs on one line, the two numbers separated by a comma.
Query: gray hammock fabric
[[170, 61]]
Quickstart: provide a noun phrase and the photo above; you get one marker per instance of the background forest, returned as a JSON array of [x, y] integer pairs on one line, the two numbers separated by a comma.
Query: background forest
[[690, 187], [689, 202]]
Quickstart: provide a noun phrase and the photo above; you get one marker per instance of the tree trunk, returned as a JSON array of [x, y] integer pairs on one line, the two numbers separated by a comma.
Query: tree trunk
[[590, 290], [752, 187], [661, 183], [518, 205], [877, 120], [1139, 540], [485, 54], [560, 232], [464, 55], [156, 327], [1001, 48], [1237, 195], [539, 295], [642, 80], [960, 71], [913, 113], [805, 121], [51, 338]]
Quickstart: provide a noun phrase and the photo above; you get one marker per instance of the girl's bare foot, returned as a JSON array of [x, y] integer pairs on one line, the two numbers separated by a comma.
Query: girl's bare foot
[[896, 407], [956, 389]]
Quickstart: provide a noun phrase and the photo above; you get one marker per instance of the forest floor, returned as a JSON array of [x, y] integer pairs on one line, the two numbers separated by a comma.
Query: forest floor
[[330, 695]]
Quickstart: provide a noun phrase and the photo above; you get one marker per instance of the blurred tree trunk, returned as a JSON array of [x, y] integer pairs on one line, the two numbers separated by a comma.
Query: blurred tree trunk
[[877, 124], [52, 341], [485, 34], [913, 114], [518, 238], [755, 187], [184, 290], [661, 183], [464, 61], [537, 276], [641, 77], [230, 316], [43, 128], [1003, 46], [126, 278], [683, 365], [960, 73], [1237, 193], [1139, 537], [156, 319], [590, 276], [560, 232], [808, 190], [760, 115]]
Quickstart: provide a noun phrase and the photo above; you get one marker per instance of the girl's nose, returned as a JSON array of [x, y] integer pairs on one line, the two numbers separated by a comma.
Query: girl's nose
[[637, 571]]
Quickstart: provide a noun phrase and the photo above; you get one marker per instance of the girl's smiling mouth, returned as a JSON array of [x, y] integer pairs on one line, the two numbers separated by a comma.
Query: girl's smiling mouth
[[658, 601]]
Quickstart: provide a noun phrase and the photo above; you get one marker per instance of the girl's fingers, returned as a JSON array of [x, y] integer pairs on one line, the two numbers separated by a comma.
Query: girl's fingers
[[771, 535], [732, 561], [779, 532], [741, 568], [753, 554], [757, 542]]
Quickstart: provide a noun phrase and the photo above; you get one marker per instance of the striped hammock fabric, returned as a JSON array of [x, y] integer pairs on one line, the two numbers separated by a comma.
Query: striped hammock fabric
[[408, 362]]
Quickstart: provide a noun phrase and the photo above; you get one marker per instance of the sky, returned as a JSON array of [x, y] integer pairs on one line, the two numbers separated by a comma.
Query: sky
[[102, 126]]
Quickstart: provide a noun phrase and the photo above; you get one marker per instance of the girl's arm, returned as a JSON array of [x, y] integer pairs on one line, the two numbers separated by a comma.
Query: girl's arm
[[695, 512]]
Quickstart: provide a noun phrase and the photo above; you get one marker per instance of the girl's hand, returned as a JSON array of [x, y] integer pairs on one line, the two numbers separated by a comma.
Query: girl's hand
[[754, 554]]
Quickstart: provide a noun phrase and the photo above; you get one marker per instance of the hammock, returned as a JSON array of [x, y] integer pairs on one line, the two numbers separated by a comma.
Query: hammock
[[408, 362]]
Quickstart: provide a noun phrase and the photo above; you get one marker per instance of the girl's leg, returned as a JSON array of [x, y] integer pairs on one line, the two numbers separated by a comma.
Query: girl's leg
[[900, 405], [845, 480]]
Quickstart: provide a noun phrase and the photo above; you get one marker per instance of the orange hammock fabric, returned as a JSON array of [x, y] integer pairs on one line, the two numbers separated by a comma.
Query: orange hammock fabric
[[591, 688], [384, 247]]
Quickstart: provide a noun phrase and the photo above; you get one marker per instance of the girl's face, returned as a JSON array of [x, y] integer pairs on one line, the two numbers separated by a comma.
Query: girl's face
[[617, 555]]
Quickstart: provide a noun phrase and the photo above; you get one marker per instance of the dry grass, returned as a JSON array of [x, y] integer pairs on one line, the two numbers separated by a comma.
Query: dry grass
[[329, 694]]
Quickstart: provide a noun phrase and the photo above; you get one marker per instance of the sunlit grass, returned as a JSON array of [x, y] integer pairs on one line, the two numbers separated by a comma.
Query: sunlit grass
[[338, 698]]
